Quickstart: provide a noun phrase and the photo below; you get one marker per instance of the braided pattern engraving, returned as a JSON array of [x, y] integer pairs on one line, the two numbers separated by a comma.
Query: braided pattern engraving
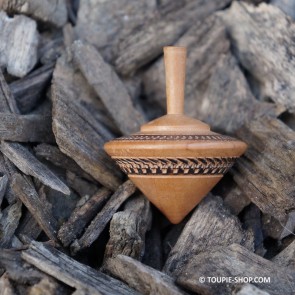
[[144, 137], [175, 166]]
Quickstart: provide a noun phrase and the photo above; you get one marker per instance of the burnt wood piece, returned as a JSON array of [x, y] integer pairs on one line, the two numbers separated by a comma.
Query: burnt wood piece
[[48, 11], [234, 261], [40, 209], [140, 45], [142, 278], [108, 87], [81, 186], [49, 286], [235, 199], [23, 274], [8, 169], [54, 155], [7, 101], [266, 172], [28, 228], [102, 27], [97, 225], [286, 258], [264, 55], [9, 220], [278, 229], [71, 272], [81, 217], [252, 221], [3, 186], [211, 226], [19, 39], [26, 128], [70, 116], [128, 229], [28, 164], [29, 91], [17, 269], [153, 250]]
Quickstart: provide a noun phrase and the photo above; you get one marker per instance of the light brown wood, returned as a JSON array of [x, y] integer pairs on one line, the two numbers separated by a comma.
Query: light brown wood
[[175, 160], [175, 65]]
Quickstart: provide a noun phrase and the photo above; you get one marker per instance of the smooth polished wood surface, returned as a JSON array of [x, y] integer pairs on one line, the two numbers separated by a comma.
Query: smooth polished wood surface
[[175, 160], [175, 66]]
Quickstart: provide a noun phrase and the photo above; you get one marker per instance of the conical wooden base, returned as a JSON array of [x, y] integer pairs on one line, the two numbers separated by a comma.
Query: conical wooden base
[[175, 196]]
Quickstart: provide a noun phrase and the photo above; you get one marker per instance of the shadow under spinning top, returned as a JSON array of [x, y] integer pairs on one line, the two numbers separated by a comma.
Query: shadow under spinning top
[[175, 160]]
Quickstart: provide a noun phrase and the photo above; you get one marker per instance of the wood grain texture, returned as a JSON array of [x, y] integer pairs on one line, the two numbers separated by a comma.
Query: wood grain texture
[[211, 226], [144, 44], [28, 164], [3, 187], [81, 217], [286, 258], [9, 220], [97, 225], [71, 272], [48, 11], [28, 228], [271, 69], [219, 87], [17, 269], [108, 87], [128, 229], [234, 260], [267, 180], [26, 128], [70, 94], [104, 26], [40, 209], [54, 155], [29, 90], [142, 278], [19, 42]]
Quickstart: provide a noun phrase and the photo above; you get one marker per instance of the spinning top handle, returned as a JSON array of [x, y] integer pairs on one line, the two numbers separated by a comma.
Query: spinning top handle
[[175, 66]]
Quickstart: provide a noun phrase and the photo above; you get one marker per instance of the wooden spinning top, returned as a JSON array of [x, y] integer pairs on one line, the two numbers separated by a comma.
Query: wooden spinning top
[[175, 160]]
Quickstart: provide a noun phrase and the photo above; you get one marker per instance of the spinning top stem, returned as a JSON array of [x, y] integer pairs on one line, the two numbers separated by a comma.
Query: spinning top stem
[[175, 65]]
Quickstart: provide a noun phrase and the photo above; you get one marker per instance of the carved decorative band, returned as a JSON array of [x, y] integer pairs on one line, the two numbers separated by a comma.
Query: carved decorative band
[[175, 166], [144, 137]]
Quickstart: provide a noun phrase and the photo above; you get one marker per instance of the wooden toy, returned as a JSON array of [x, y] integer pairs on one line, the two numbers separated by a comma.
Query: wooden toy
[[175, 160]]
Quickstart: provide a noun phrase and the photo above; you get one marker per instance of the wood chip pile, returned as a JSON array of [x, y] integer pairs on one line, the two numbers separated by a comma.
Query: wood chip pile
[[75, 75]]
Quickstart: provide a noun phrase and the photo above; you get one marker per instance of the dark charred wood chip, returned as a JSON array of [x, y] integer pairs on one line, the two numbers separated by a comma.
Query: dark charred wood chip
[[211, 226], [54, 155], [234, 261], [9, 220], [97, 225], [26, 128], [76, 130], [26, 192], [128, 229], [48, 11], [29, 91], [81, 217], [71, 272], [142, 278], [108, 87], [28, 164]]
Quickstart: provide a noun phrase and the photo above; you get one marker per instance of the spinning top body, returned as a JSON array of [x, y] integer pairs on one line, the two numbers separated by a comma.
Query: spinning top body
[[175, 160]]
